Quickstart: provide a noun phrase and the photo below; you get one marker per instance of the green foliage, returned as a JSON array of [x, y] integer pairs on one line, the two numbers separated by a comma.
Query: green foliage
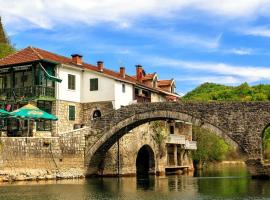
[[5, 50], [210, 147], [266, 143], [217, 92], [159, 135]]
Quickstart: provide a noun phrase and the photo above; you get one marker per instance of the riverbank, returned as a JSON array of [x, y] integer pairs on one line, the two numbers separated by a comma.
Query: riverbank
[[39, 174]]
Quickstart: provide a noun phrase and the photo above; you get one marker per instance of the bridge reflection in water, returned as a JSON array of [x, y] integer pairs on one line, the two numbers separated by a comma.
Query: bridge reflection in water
[[214, 183]]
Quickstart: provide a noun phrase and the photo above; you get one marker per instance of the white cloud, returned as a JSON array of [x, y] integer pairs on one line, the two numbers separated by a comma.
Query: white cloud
[[211, 79], [233, 73], [46, 14], [180, 38], [240, 51], [261, 31]]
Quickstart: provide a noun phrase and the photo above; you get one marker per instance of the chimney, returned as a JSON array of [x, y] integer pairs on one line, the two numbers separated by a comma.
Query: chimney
[[77, 59], [100, 66], [123, 72], [139, 73]]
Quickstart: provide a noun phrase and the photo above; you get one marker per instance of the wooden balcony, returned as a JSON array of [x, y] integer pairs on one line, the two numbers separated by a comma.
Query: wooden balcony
[[27, 92], [142, 99]]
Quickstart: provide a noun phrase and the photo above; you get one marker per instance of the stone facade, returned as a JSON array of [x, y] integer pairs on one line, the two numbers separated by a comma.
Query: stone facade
[[43, 158], [89, 108], [62, 112]]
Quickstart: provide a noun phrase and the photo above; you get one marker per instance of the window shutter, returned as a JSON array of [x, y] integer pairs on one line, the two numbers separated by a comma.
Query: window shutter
[[71, 113]]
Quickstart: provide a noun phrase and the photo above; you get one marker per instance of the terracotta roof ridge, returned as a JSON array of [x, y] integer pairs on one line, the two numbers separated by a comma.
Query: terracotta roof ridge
[[33, 49], [39, 49]]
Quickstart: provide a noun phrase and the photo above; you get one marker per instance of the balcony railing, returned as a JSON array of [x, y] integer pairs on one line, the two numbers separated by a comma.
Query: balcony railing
[[27, 92], [142, 99], [176, 139], [192, 145]]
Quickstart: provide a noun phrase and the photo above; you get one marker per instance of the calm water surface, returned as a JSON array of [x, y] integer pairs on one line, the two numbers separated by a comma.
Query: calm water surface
[[231, 182]]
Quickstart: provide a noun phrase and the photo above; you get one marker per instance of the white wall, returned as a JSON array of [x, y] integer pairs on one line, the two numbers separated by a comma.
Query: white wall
[[105, 90], [108, 88], [123, 99], [63, 92]]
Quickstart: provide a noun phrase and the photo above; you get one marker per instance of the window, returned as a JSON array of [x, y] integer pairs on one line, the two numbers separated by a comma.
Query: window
[[96, 114], [44, 125], [123, 88], [71, 113], [1, 82], [93, 84], [171, 129], [71, 82], [24, 78]]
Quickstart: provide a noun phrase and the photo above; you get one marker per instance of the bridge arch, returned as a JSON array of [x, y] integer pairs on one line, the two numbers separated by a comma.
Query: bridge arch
[[110, 136], [239, 123]]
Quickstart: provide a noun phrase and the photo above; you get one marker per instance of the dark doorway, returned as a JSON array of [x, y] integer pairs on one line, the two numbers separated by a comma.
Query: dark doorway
[[96, 114], [145, 162]]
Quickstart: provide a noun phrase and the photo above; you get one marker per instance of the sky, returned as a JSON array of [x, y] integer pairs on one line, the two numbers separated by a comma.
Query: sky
[[192, 41]]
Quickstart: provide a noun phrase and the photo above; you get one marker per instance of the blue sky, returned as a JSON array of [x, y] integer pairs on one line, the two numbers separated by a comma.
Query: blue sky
[[192, 41]]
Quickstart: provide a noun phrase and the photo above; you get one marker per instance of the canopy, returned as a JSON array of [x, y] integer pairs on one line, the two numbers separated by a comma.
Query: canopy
[[49, 76], [4, 113], [31, 112]]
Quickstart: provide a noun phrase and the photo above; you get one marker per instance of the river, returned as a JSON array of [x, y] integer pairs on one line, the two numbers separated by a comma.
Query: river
[[218, 182]]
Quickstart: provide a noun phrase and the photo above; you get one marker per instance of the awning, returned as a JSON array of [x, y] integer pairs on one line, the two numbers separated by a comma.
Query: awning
[[53, 78]]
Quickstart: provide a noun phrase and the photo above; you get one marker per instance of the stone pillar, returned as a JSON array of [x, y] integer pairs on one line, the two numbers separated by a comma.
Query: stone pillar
[[175, 154]]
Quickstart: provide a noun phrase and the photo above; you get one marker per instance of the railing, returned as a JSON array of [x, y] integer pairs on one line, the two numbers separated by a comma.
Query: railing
[[176, 139], [26, 92], [192, 145], [142, 99]]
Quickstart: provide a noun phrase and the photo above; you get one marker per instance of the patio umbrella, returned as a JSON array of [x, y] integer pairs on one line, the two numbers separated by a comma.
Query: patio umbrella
[[32, 112], [4, 113]]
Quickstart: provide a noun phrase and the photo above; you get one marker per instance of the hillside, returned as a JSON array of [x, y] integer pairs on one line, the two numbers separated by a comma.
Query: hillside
[[217, 92]]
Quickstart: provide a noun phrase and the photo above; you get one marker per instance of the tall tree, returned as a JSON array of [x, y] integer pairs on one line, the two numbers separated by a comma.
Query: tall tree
[[5, 47]]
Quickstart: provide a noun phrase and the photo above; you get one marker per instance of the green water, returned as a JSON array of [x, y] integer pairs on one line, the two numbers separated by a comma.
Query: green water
[[214, 183]]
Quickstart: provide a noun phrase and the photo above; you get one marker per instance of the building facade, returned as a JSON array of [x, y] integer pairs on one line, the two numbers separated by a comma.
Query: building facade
[[77, 92]]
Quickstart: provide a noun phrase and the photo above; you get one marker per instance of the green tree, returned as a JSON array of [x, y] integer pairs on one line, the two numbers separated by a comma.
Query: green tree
[[217, 92], [5, 46], [5, 50], [159, 136], [266, 143], [210, 147]]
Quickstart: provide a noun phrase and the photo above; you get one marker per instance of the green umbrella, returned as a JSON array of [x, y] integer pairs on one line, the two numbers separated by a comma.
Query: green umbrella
[[4, 113], [31, 112]]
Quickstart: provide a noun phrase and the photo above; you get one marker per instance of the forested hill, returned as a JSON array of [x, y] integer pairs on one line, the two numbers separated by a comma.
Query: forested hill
[[217, 92]]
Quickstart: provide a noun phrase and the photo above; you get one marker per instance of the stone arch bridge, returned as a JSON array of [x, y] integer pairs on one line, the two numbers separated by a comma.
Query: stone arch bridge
[[240, 123]]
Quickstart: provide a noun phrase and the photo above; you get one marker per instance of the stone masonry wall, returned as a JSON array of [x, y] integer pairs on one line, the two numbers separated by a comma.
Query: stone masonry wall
[[42, 158], [89, 108], [62, 112]]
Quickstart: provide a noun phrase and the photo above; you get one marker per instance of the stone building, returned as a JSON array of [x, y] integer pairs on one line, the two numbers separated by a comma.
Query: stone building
[[77, 92]]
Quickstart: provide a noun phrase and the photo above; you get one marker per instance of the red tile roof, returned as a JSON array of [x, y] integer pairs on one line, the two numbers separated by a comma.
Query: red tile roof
[[31, 54], [149, 77], [162, 83]]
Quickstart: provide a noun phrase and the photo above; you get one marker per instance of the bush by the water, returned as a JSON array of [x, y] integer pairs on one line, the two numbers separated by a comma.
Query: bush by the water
[[210, 147]]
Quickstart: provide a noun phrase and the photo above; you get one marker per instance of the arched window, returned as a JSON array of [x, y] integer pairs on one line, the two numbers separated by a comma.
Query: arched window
[[96, 114]]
